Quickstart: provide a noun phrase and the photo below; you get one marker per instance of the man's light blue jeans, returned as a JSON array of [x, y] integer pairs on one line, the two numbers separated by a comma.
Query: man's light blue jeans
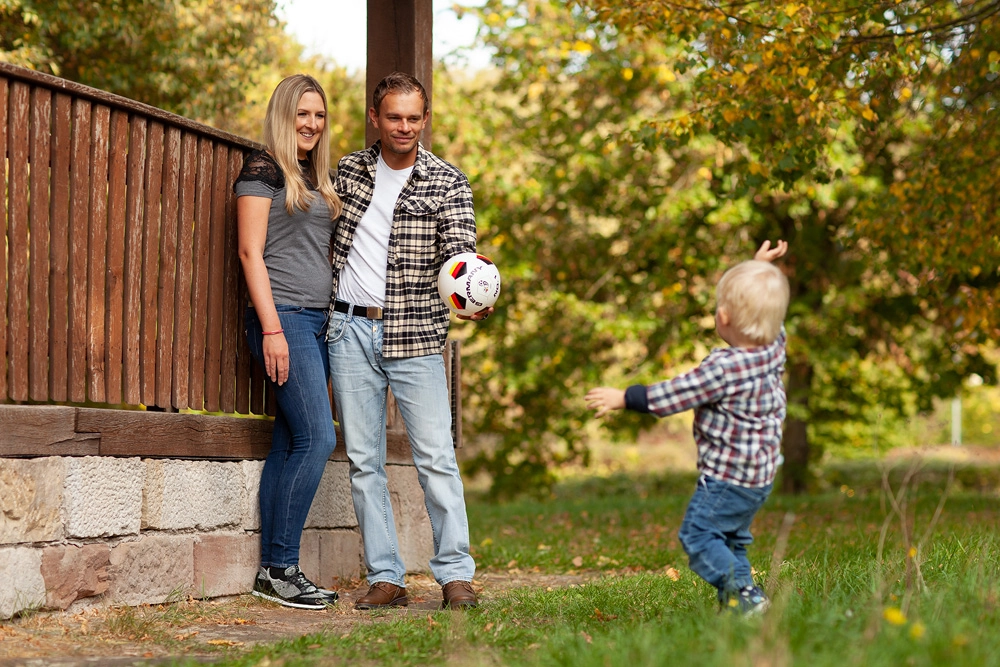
[[361, 378], [716, 532], [303, 436]]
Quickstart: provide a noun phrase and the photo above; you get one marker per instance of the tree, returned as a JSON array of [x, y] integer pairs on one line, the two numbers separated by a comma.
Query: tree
[[193, 57], [610, 250]]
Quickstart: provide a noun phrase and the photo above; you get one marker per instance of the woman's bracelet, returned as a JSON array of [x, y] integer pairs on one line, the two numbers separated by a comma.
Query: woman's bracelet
[[272, 333]]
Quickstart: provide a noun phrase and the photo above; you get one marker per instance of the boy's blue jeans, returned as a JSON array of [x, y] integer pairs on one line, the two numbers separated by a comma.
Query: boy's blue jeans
[[716, 532], [303, 436]]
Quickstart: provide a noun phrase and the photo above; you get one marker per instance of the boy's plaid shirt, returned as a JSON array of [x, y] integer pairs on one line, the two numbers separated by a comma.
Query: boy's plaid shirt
[[739, 402], [434, 219]]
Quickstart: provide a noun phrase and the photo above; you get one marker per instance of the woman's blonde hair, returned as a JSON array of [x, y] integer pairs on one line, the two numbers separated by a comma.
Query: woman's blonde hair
[[755, 296], [281, 141]]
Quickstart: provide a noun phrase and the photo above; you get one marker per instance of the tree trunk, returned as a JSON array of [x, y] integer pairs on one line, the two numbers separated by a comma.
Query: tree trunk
[[795, 443]]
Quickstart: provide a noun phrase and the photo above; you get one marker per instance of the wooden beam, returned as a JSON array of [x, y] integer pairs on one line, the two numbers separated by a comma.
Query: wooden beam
[[43, 430], [400, 38], [174, 435]]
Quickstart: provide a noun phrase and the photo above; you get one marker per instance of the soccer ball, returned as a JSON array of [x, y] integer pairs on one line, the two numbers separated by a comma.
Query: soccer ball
[[468, 283]]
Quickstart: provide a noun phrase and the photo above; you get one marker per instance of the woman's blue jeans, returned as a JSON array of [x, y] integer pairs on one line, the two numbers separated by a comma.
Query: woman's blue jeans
[[303, 436], [716, 532], [361, 378]]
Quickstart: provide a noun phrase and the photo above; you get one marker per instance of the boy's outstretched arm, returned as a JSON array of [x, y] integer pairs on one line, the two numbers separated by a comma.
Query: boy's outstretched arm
[[605, 399], [768, 254]]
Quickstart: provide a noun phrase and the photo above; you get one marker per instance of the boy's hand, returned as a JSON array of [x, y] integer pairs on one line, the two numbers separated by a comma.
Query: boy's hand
[[605, 399], [768, 254]]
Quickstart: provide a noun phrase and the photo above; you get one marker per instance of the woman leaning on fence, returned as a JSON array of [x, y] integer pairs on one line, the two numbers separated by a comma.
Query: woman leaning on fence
[[286, 208]]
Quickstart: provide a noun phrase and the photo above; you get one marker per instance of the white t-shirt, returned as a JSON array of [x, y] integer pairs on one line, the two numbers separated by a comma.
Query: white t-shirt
[[362, 280]]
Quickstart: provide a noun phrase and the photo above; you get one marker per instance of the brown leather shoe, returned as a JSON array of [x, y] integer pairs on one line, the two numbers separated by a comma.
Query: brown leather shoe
[[382, 595], [458, 595]]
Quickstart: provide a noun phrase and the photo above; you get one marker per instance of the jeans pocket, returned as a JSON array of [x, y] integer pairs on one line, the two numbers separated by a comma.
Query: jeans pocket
[[284, 308], [337, 327]]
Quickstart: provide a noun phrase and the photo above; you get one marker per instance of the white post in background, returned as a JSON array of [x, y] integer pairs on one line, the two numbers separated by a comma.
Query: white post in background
[[956, 421]]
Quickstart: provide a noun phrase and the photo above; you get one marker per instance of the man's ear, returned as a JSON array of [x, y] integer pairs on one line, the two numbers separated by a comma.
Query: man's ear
[[372, 116]]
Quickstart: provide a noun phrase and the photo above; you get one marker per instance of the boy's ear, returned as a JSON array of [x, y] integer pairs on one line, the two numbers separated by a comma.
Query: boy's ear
[[723, 316]]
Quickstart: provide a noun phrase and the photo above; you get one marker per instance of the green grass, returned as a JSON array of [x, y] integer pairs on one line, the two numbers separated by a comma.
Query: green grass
[[851, 587]]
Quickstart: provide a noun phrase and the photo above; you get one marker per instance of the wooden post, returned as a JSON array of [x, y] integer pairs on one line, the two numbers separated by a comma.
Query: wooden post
[[399, 39]]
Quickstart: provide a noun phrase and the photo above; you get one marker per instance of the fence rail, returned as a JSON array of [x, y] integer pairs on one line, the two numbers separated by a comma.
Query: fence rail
[[122, 280]]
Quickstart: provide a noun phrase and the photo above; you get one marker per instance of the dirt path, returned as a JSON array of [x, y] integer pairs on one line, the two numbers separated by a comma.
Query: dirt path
[[207, 630]]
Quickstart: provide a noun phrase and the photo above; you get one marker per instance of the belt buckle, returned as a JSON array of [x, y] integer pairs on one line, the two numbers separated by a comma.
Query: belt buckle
[[373, 312]]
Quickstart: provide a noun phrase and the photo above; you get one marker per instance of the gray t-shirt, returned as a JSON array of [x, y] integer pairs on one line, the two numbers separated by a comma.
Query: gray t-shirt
[[297, 249]]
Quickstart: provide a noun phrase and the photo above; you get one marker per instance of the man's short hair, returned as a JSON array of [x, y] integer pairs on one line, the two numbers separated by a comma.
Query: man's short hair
[[399, 82], [755, 296]]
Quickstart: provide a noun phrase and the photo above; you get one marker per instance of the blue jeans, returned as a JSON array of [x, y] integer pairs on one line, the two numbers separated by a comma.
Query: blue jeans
[[716, 532], [303, 436], [361, 378]]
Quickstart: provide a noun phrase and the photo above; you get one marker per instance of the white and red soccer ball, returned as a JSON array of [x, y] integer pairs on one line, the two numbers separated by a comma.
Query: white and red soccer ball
[[469, 282]]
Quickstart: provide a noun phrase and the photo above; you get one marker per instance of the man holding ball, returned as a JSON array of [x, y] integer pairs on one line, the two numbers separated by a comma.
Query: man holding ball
[[405, 212]]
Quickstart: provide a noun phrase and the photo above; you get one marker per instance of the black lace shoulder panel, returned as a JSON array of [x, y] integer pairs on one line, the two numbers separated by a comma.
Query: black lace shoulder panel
[[260, 166]]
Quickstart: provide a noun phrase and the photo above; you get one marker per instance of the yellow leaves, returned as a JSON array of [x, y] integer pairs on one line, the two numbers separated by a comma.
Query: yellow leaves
[[975, 271], [993, 57], [749, 68], [917, 630], [628, 73], [802, 71], [671, 573], [791, 9], [487, 542], [868, 114], [894, 616], [739, 78], [912, 553], [705, 173], [665, 75], [730, 115], [905, 94], [581, 46]]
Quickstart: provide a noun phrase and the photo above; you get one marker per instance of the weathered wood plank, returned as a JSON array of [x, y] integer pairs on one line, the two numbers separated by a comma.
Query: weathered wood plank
[[454, 369], [168, 266], [120, 103], [199, 276], [176, 435], [59, 260], [185, 247], [131, 308], [4, 87], [97, 252], [216, 278], [232, 332], [114, 321], [79, 231], [150, 263], [257, 382], [38, 261], [17, 242], [43, 430]]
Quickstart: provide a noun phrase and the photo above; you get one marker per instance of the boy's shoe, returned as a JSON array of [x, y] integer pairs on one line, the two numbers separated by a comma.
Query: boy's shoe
[[748, 601], [290, 588], [333, 595]]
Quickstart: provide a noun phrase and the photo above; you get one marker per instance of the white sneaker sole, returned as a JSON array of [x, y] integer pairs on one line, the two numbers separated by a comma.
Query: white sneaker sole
[[317, 606]]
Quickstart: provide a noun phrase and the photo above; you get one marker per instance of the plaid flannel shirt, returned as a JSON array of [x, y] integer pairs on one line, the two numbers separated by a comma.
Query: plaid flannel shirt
[[434, 219], [739, 402]]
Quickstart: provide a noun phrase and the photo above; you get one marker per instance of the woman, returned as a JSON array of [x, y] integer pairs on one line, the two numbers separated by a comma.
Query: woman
[[286, 207]]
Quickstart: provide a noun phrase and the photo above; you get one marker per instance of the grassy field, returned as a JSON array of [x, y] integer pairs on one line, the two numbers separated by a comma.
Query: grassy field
[[859, 576]]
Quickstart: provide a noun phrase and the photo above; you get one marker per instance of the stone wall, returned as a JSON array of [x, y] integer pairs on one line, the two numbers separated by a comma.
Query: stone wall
[[78, 531]]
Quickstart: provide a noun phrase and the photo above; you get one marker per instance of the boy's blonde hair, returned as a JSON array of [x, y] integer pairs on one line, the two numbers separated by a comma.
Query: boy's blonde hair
[[755, 296]]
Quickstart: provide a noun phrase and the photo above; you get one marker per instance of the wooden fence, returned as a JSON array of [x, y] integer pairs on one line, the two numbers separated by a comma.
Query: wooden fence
[[123, 285]]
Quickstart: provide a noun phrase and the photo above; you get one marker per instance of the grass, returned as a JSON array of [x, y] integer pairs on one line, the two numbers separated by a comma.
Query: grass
[[859, 576]]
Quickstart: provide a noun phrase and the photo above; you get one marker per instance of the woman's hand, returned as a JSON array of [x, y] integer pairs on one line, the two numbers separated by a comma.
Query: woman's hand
[[276, 358]]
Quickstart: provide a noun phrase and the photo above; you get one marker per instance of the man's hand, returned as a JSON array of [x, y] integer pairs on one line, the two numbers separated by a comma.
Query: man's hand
[[477, 317], [768, 254], [605, 399]]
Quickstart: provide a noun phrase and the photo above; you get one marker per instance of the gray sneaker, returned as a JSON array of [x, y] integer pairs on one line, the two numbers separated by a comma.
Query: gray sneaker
[[748, 601], [291, 589], [333, 595]]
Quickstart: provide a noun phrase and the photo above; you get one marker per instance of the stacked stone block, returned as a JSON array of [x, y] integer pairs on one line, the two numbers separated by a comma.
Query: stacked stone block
[[90, 530]]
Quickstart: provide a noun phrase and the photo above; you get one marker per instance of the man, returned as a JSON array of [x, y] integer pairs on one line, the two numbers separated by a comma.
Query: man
[[405, 212]]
